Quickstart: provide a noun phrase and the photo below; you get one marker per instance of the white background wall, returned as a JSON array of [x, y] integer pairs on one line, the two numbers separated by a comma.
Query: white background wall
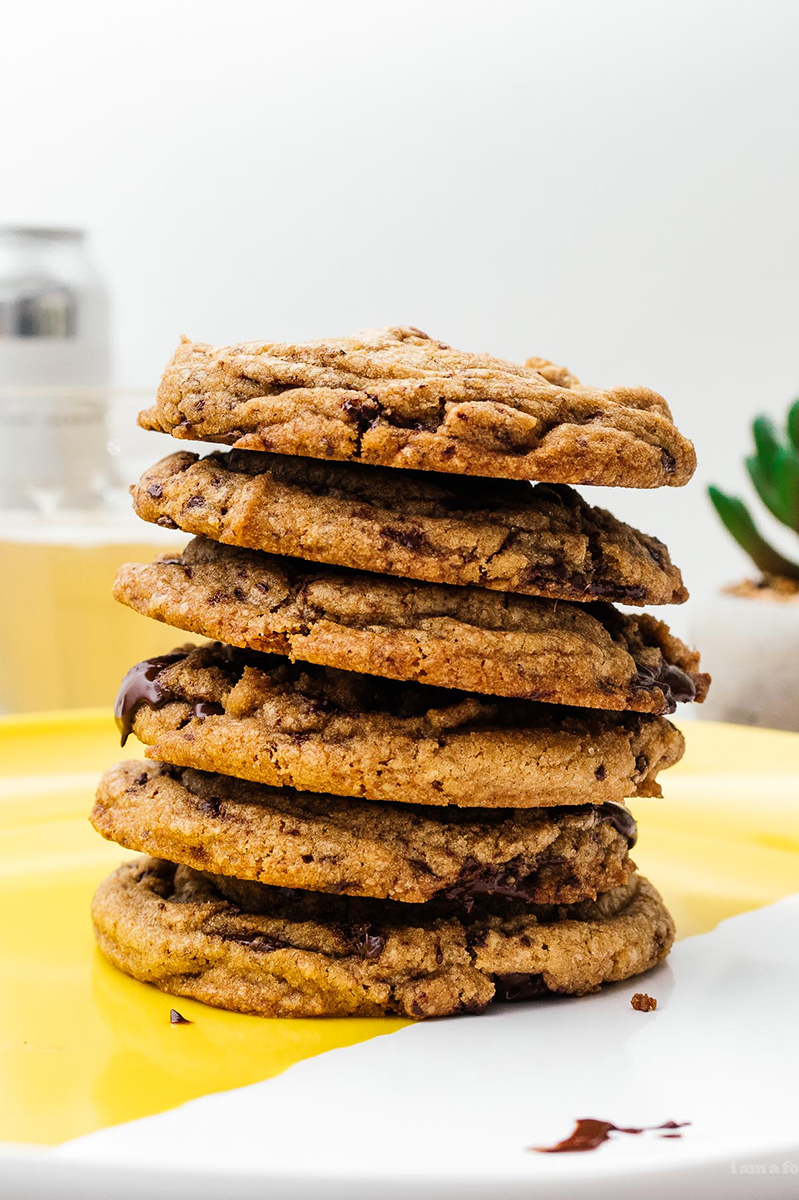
[[610, 184]]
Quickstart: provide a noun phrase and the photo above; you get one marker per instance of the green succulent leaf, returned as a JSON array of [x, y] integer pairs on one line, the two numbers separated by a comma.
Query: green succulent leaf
[[785, 475], [764, 485], [767, 441], [738, 521], [793, 424]]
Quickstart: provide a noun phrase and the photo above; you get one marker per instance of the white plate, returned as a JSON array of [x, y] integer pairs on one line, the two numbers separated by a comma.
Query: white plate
[[449, 1109]]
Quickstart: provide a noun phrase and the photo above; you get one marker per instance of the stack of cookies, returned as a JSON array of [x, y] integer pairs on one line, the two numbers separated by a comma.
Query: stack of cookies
[[394, 780]]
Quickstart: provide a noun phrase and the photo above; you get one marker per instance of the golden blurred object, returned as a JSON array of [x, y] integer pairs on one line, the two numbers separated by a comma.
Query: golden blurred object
[[63, 642]]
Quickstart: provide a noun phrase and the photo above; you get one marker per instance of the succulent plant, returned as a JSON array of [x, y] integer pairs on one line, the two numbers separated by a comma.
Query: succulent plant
[[774, 471]]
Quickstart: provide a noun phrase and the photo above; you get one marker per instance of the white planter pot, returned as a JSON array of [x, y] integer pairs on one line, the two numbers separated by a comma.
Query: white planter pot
[[750, 646]]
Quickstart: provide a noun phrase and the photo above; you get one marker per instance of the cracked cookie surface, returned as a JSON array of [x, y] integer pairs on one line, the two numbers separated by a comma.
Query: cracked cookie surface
[[304, 955], [295, 725], [509, 536], [398, 398], [350, 847], [468, 638]]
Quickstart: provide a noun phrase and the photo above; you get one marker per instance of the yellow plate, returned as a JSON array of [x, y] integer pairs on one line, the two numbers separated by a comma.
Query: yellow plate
[[84, 1046]]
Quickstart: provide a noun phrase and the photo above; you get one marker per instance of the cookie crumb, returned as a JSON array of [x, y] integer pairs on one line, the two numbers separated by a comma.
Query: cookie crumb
[[176, 1018], [641, 1002]]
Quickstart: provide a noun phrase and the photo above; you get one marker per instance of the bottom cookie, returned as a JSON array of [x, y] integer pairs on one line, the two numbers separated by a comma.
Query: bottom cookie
[[290, 953]]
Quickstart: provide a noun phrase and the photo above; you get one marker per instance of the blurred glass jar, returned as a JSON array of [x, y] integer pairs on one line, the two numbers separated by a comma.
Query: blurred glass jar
[[54, 371], [69, 446], [64, 643]]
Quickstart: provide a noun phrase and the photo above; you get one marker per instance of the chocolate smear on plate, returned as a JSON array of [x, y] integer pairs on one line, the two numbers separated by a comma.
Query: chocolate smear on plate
[[588, 1134]]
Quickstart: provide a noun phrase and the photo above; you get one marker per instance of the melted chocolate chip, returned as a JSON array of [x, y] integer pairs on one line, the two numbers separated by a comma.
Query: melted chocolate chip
[[509, 879], [623, 593], [520, 985], [364, 413], [156, 492], [669, 462], [620, 818], [545, 575], [589, 1133], [363, 940], [489, 880], [141, 686], [676, 685]]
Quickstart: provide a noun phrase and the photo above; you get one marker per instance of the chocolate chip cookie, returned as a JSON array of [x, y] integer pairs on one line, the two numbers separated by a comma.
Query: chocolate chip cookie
[[262, 718], [509, 536], [351, 847], [296, 954], [468, 638], [397, 398]]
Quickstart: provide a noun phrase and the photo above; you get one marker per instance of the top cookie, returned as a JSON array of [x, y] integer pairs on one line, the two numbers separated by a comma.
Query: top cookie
[[397, 398]]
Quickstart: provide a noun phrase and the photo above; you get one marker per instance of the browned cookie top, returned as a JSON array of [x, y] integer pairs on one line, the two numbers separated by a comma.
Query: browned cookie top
[[298, 954], [352, 847], [510, 536], [264, 719], [457, 637], [398, 398]]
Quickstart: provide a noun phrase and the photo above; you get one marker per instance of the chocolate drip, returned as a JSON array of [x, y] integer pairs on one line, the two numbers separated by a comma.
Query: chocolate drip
[[141, 685], [589, 1133], [676, 685], [520, 985], [620, 818]]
